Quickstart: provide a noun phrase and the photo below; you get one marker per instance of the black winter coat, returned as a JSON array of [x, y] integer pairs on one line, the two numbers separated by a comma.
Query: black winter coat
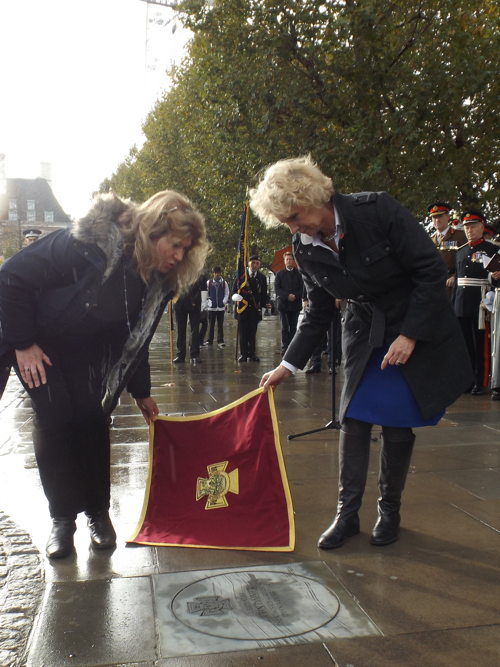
[[49, 288], [394, 280], [255, 293], [289, 282]]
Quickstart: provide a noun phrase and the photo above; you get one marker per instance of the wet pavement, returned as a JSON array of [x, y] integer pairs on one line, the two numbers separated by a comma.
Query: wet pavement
[[432, 598]]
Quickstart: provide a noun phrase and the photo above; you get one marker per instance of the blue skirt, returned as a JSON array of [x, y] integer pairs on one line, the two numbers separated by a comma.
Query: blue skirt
[[383, 397]]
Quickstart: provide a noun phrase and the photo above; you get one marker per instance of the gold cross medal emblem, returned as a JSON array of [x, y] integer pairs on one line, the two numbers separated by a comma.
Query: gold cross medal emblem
[[218, 484]]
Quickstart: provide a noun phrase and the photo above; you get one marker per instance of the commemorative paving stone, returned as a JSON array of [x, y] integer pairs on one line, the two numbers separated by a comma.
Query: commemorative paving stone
[[216, 611]]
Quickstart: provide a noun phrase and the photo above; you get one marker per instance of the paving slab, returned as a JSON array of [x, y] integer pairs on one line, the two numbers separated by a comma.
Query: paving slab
[[95, 623], [443, 648], [432, 596], [215, 611]]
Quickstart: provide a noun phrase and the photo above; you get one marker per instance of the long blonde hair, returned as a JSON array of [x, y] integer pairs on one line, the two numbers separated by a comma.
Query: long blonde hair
[[166, 212]]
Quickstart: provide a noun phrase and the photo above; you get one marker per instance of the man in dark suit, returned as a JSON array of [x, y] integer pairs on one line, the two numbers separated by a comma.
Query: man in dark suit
[[189, 307], [255, 295], [288, 286]]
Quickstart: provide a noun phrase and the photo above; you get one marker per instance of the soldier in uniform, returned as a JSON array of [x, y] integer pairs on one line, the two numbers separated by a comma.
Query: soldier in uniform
[[255, 293], [31, 235], [447, 239], [472, 282]]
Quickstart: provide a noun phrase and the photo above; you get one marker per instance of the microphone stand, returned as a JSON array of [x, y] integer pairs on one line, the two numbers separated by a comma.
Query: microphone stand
[[333, 423]]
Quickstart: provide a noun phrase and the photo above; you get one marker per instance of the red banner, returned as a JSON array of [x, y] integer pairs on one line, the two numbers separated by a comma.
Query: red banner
[[218, 480]]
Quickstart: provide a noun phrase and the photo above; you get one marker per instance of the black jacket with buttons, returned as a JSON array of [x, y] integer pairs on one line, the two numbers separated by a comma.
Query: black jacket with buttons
[[469, 264], [394, 280]]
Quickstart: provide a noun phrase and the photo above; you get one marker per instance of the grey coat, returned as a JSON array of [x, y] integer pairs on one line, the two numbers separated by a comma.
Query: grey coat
[[394, 281]]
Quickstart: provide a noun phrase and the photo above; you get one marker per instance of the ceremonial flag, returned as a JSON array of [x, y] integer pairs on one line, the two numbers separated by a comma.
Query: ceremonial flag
[[218, 480], [243, 253]]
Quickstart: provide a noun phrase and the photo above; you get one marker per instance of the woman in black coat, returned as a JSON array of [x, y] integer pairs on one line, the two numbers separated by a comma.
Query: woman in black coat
[[400, 336], [78, 309]]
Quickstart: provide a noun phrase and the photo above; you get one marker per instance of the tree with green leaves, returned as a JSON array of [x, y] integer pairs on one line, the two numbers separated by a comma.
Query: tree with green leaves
[[385, 95]]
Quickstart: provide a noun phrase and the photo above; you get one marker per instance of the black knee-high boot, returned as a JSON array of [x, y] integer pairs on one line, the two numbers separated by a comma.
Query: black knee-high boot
[[395, 456], [354, 454]]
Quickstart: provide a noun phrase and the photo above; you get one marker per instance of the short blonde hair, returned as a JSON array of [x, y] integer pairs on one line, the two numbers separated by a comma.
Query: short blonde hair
[[166, 212], [287, 184]]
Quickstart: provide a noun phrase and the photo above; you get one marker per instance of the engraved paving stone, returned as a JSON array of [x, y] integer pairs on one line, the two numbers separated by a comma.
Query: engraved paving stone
[[255, 605], [226, 610]]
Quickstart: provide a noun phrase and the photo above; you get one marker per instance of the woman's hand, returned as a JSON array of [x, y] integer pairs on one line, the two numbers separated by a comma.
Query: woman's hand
[[495, 275], [148, 408], [31, 362], [399, 352], [274, 377]]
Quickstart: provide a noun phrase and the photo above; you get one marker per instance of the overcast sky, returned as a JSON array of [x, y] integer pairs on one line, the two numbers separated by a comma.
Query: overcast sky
[[77, 81]]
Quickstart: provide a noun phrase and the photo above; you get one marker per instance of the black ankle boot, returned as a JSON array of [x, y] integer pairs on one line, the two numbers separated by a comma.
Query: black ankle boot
[[354, 453], [60, 543], [336, 534], [395, 456], [386, 530], [102, 533]]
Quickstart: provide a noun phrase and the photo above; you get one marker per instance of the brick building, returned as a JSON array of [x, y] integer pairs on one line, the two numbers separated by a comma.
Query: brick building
[[26, 203]]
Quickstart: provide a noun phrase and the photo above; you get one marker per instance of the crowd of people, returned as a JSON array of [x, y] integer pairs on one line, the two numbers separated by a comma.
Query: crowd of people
[[78, 309]]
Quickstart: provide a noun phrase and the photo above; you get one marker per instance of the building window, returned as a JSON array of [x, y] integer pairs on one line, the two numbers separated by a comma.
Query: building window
[[31, 216], [12, 204], [12, 215], [48, 216], [30, 204]]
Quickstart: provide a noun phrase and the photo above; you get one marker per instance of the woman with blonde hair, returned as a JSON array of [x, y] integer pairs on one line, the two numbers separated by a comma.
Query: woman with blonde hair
[[400, 338], [78, 310]]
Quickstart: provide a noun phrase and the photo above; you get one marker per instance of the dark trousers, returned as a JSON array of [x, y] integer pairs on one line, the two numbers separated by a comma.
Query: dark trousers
[[70, 432], [203, 326], [332, 341], [248, 333], [194, 323], [289, 321], [213, 317], [475, 342]]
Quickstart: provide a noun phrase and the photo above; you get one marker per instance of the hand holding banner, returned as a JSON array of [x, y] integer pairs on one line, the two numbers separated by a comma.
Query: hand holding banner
[[218, 480]]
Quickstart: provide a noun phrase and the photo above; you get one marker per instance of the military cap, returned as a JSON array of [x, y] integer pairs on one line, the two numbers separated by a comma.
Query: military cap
[[32, 233], [471, 215], [438, 208]]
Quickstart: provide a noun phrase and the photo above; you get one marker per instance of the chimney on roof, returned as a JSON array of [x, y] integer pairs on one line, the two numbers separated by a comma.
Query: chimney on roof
[[46, 171]]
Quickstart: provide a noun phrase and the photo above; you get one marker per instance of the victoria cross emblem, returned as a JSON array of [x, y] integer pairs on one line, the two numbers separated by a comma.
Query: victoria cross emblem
[[212, 605], [217, 485]]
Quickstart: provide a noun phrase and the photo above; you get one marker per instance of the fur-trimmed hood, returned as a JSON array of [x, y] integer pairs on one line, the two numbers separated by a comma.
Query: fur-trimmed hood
[[99, 227]]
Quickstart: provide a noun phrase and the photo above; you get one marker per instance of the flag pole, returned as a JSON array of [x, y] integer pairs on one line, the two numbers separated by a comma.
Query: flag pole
[[171, 323], [241, 270]]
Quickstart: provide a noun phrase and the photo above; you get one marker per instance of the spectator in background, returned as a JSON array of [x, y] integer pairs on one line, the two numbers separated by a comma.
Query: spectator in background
[[217, 296], [473, 281], [447, 239], [254, 293], [203, 317], [31, 235], [288, 286], [188, 307]]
